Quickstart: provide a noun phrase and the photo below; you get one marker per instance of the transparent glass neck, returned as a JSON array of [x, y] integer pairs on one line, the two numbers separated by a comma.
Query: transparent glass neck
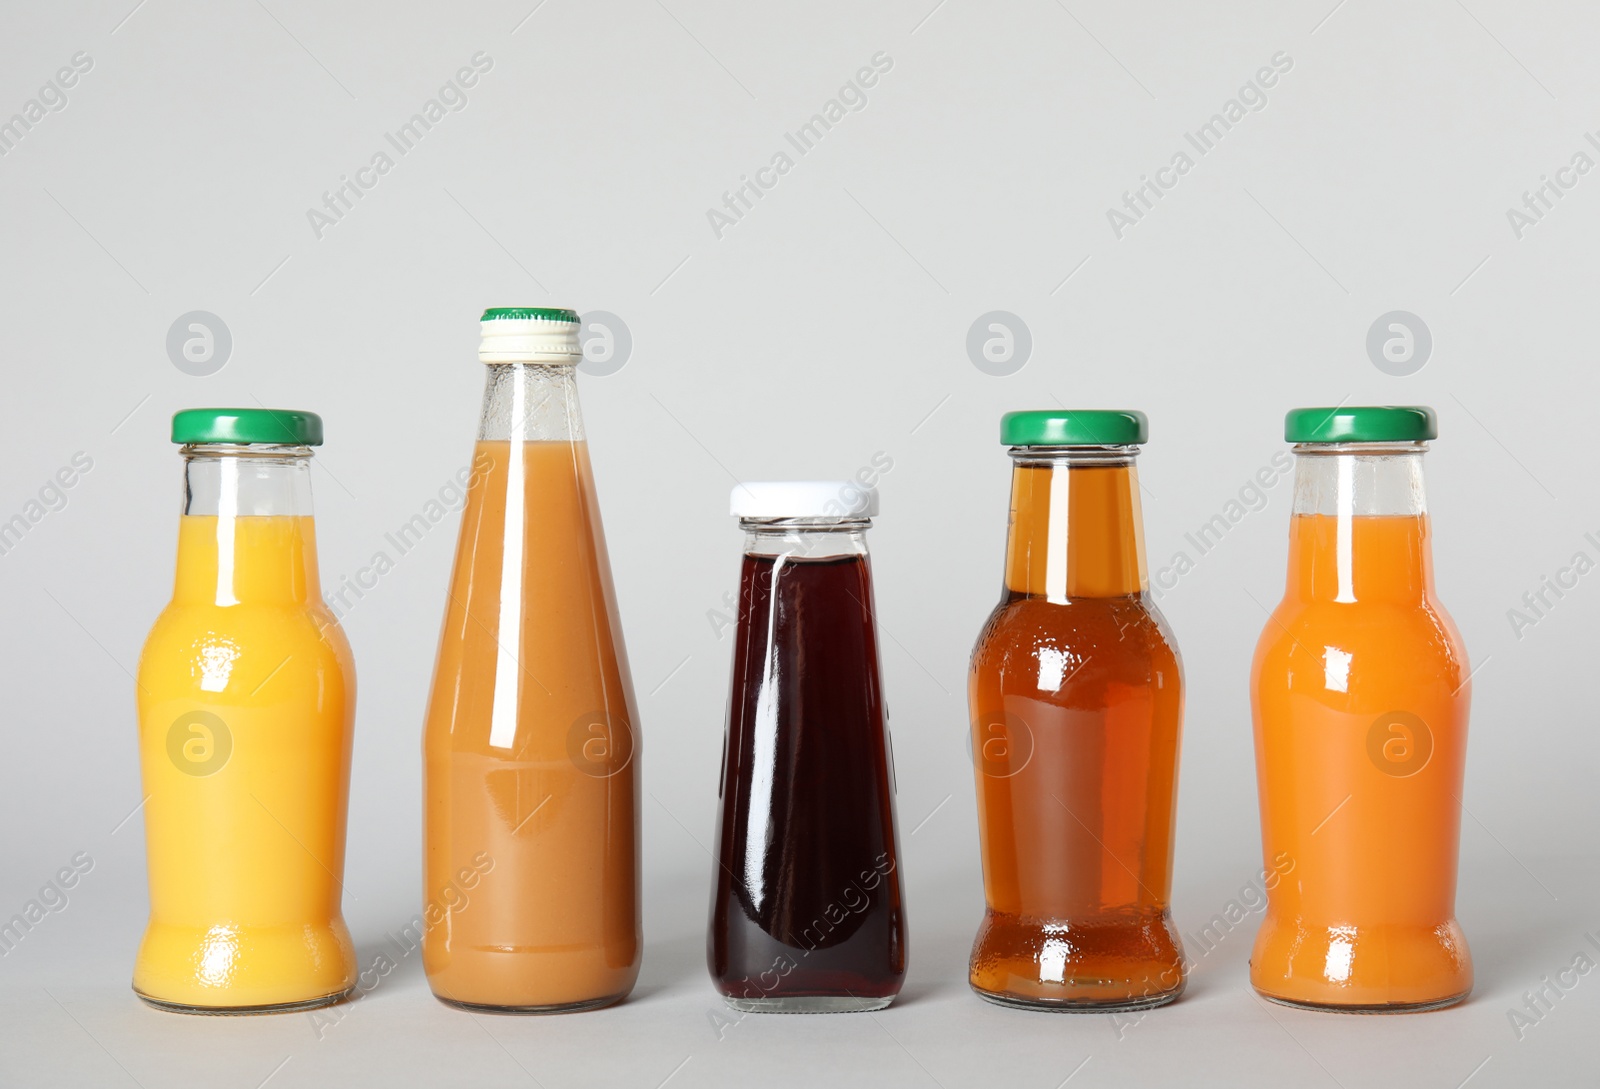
[[246, 534], [1359, 478], [531, 402], [257, 479], [1077, 530], [1359, 532], [807, 538]]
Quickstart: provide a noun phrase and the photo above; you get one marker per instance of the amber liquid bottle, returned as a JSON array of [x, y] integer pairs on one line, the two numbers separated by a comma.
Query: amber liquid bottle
[[1076, 696]]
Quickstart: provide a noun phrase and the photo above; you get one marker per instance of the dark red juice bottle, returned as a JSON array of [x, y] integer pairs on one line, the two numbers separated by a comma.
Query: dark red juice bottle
[[807, 911]]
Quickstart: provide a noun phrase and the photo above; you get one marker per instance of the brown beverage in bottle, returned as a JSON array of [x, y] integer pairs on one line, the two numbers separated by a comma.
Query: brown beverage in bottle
[[531, 770], [807, 910], [1076, 701]]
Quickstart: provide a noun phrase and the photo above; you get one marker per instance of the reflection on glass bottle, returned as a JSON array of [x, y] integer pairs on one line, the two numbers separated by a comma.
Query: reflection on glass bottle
[[807, 911], [246, 706], [1360, 691], [531, 763], [1076, 696]]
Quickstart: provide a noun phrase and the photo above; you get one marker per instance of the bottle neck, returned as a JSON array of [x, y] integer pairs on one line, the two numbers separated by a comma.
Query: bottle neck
[[1076, 525], [531, 402], [246, 533], [1359, 530], [805, 538]]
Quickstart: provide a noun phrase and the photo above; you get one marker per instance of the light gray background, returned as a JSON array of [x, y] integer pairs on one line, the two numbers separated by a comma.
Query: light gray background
[[828, 325]]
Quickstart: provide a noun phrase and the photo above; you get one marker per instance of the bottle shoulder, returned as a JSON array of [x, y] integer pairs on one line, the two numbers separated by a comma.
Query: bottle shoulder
[[1359, 644], [1384, 624], [215, 649], [1128, 630]]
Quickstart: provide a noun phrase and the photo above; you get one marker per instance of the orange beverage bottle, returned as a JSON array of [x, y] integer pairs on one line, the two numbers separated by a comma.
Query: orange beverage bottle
[[246, 703], [531, 771], [1360, 694], [1076, 696]]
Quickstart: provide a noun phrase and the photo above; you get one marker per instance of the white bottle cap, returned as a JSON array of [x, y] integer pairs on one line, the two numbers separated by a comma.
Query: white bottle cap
[[529, 334], [803, 499]]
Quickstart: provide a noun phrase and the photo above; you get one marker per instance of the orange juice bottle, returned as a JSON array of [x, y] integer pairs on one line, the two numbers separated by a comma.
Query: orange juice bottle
[[531, 763], [1360, 693], [246, 698], [1076, 697]]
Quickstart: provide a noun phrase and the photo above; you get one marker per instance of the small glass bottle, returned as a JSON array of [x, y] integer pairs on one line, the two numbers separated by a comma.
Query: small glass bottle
[[1360, 689], [531, 747], [1076, 694], [246, 701], [807, 912]]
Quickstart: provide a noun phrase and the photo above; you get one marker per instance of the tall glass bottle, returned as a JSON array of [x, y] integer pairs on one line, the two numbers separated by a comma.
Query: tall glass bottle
[[1360, 691], [807, 910], [246, 701], [531, 761], [1076, 695]]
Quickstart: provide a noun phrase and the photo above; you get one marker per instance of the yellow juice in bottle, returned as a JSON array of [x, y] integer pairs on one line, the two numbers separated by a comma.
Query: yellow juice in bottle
[[246, 697]]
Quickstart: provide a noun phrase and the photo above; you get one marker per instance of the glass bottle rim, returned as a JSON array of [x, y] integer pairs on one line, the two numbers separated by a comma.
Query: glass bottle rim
[[1385, 448], [1110, 455], [819, 523], [280, 451]]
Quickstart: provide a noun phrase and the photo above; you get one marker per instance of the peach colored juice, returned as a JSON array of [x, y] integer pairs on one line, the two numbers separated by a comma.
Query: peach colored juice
[[531, 769]]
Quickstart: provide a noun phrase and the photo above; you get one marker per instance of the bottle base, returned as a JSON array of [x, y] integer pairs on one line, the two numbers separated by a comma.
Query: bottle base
[[1381, 1007], [1387, 967], [808, 1003], [559, 1007], [1068, 1005], [1120, 960], [240, 1011]]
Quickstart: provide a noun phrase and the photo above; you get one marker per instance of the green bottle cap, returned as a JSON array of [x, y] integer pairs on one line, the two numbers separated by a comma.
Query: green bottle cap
[[1361, 423], [277, 426], [529, 313], [1074, 427]]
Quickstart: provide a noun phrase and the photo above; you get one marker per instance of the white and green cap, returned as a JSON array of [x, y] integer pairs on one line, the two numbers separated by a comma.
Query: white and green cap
[[529, 334]]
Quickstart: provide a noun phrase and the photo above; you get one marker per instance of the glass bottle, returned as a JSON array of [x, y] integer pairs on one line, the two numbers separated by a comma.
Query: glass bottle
[[246, 700], [807, 912], [1360, 692], [1076, 695], [531, 762]]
